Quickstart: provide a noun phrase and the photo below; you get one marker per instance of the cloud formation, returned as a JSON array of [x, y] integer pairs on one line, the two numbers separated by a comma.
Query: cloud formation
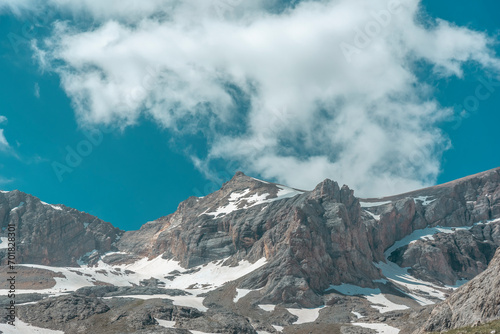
[[324, 89], [4, 144]]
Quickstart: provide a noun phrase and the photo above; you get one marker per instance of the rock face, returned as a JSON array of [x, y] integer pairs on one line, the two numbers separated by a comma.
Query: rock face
[[476, 302], [449, 257], [52, 234], [305, 245], [311, 240], [326, 236]]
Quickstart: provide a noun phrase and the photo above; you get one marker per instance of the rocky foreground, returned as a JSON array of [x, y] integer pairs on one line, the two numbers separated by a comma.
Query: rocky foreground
[[258, 257]]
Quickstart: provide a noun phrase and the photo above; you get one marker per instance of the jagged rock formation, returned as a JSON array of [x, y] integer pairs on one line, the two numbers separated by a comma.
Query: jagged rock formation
[[304, 249], [43, 231], [449, 257], [477, 302], [321, 237]]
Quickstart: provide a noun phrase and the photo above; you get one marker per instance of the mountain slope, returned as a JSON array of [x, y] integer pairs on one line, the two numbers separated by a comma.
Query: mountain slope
[[477, 302], [264, 254], [51, 234]]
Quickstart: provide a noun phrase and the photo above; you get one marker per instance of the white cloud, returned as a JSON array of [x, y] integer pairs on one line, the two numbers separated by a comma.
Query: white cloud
[[360, 116], [4, 144]]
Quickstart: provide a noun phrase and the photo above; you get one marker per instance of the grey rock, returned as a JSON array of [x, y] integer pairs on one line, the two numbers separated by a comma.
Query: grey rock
[[52, 235], [478, 301], [450, 257], [55, 312], [112, 291]]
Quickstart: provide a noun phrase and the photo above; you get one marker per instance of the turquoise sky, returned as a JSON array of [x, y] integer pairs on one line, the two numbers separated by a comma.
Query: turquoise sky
[[142, 171]]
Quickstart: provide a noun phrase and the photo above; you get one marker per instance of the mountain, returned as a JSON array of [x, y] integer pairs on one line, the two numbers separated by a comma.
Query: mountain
[[53, 235], [259, 257], [475, 303]]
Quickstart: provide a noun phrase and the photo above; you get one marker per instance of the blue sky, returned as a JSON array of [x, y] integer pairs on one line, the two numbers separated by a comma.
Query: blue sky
[[181, 105]]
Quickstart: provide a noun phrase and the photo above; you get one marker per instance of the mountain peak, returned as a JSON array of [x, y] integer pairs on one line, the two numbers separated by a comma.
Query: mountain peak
[[238, 174]]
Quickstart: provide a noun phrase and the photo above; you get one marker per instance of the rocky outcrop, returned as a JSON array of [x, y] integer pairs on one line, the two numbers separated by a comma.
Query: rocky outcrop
[[476, 302], [56, 312], [322, 237], [111, 291], [448, 257], [81, 314], [309, 239], [52, 234]]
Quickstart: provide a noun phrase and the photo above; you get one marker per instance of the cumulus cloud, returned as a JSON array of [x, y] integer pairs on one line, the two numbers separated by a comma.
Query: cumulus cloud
[[324, 89]]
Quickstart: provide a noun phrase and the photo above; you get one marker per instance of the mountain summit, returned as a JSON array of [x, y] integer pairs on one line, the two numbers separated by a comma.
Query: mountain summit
[[257, 257]]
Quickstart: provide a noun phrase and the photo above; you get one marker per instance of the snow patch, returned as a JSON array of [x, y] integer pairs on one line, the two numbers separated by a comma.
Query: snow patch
[[260, 180], [376, 217], [165, 323], [4, 243], [195, 281], [19, 206], [305, 315], [52, 206], [236, 199], [22, 327], [278, 328], [357, 314], [424, 199], [380, 328], [240, 293], [372, 204], [267, 307], [374, 296]]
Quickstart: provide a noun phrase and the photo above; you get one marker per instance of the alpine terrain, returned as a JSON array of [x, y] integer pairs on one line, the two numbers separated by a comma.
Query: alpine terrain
[[259, 257]]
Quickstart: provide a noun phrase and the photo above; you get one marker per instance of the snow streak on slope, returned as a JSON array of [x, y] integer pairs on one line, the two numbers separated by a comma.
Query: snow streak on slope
[[372, 204], [416, 289], [52, 206], [240, 200]]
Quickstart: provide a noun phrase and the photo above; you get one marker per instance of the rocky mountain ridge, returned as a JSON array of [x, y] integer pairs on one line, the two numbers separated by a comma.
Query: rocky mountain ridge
[[44, 230], [254, 243]]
